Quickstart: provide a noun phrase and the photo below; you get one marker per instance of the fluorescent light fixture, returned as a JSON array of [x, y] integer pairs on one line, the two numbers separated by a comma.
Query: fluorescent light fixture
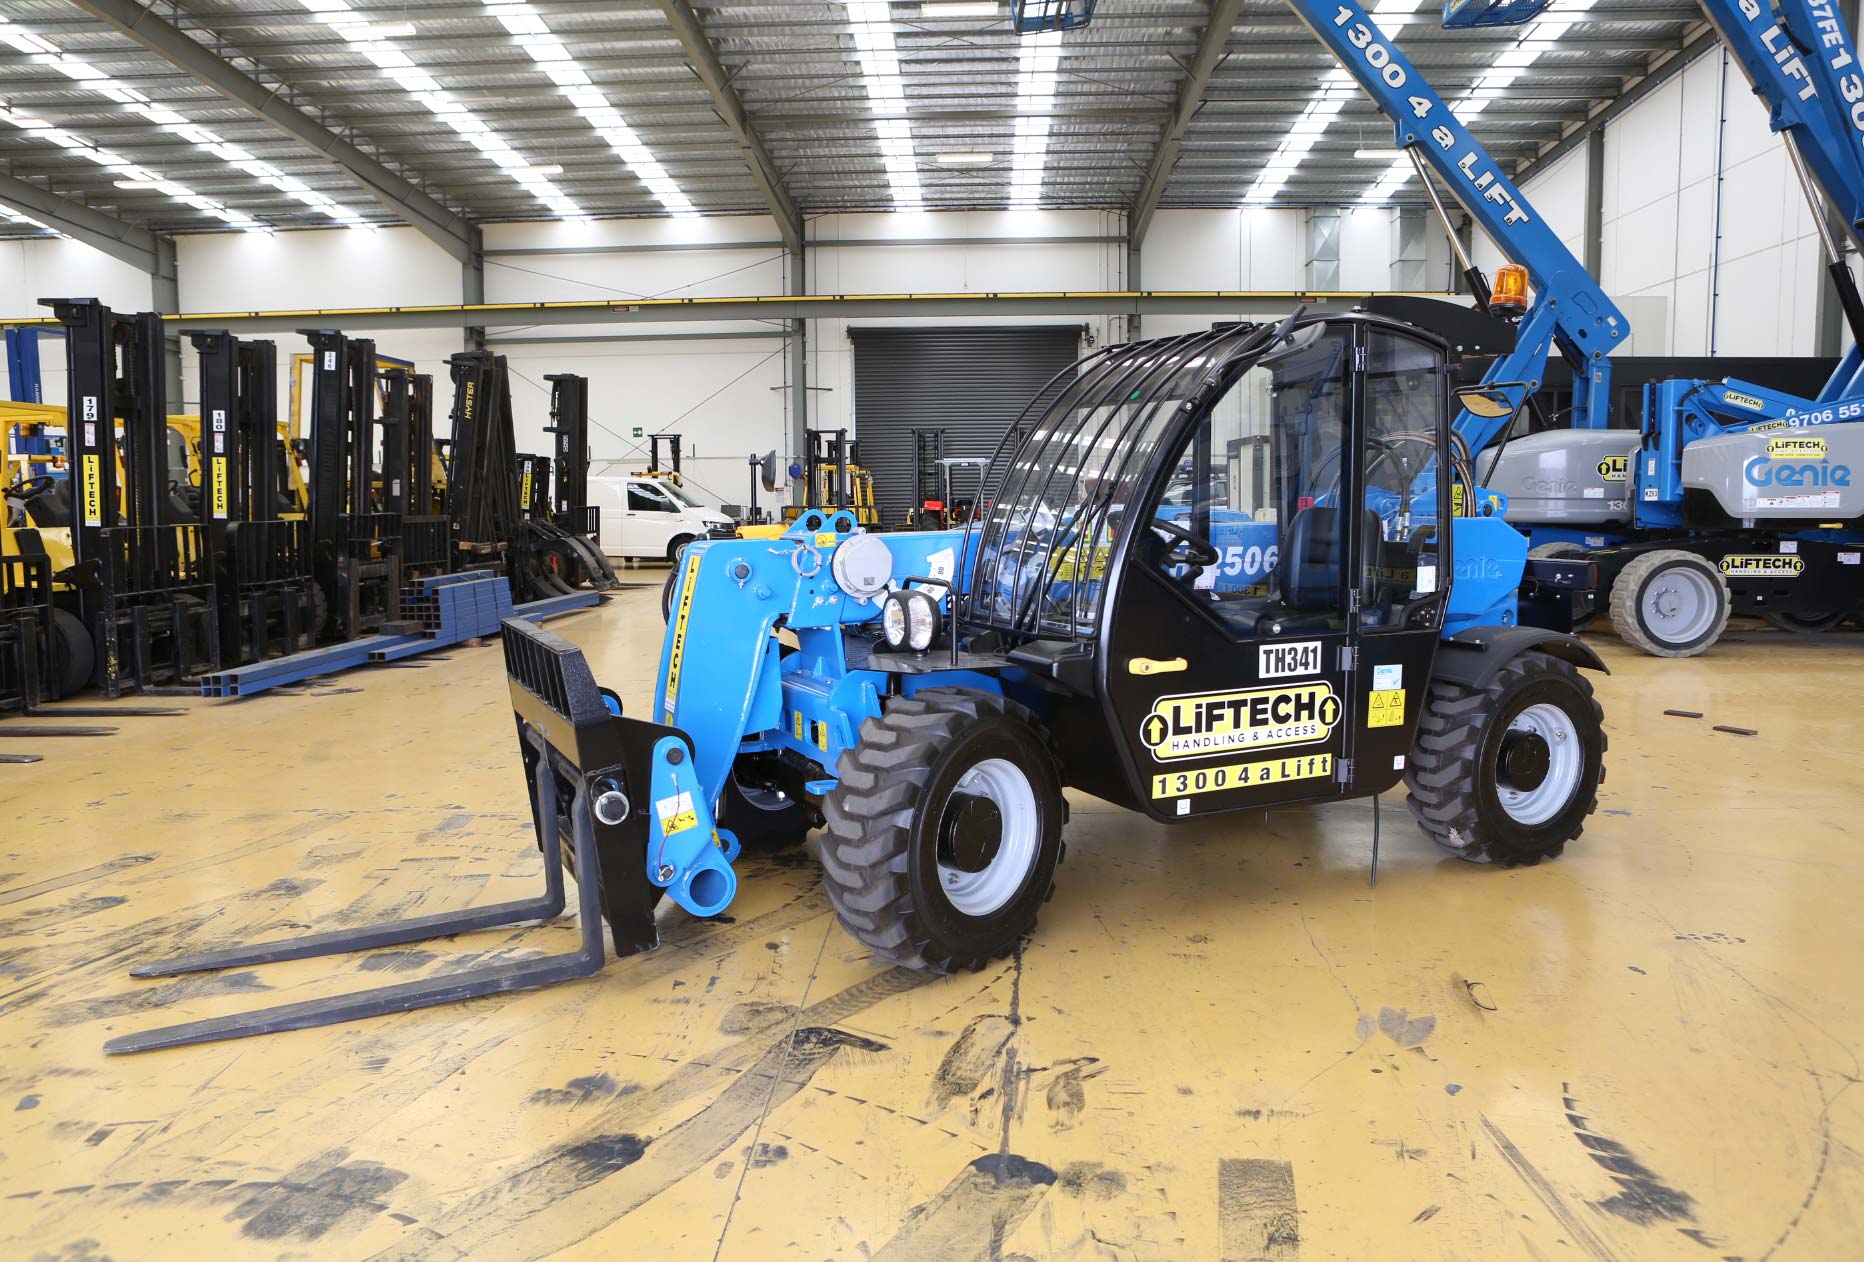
[[375, 41], [879, 58], [959, 9], [1377, 155], [964, 159], [92, 79], [554, 59], [1038, 70]]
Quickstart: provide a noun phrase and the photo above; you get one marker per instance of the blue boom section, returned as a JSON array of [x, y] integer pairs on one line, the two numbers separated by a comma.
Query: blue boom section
[[729, 683], [1570, 310]]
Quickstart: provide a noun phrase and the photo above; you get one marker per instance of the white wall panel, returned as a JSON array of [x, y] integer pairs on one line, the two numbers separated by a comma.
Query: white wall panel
[[256, 271]]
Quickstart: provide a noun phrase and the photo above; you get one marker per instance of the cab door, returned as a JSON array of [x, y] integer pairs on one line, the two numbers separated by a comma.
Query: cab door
[[1224, 651]]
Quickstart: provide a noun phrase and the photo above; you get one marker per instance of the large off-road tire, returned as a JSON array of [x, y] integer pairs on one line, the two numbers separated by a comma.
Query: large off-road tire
[[1508, 773], [759, 811], [1560, 550], [74, 655], [666, 593], [1805, 624], [1670, 603], [945, 829]]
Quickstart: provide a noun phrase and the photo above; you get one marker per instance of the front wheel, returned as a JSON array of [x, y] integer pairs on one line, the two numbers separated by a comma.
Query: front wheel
[[1508, 773], [944, 831], [1670, 603]]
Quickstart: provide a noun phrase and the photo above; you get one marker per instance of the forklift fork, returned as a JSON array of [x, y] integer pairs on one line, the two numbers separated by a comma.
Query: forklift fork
[[574, 747]]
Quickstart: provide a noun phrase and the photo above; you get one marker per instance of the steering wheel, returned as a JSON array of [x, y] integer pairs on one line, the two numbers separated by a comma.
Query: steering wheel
[[27, 488], [1198, 550]]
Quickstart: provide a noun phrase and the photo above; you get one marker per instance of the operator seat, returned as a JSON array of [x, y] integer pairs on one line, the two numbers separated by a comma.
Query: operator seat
[[1312, 563], [52, 507]]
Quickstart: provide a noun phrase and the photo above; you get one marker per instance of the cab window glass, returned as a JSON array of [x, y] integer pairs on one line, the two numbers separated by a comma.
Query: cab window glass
[[646, 499], [1249, 526], [1405, 393]]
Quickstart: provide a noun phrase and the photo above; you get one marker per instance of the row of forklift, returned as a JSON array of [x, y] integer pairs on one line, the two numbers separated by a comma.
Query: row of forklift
[[142, 549]]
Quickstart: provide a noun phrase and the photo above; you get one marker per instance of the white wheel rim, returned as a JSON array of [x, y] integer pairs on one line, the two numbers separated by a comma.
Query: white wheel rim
[[1565, 765], [1678, 604], [989, 888]]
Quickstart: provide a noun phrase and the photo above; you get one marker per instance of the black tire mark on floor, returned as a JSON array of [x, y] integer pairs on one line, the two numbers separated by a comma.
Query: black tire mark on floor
[[502, 1206], [1257, 1218], [972, 1215], [1643, 1197], [1547, 1195], [966, 1062], [591, 1184], [92, 873]]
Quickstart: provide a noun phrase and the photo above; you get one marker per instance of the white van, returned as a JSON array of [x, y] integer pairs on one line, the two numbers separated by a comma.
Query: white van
[[652, 519]]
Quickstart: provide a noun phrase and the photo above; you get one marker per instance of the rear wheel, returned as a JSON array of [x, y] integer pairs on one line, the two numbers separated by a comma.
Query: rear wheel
[[1508, 773], [1670, 603], [945, 829], [1805, 624]]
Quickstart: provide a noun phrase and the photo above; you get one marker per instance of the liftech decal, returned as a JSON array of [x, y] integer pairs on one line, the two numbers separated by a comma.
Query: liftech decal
[[1197, 725], [1762, 566], [1614, 468], [1742, 400], [676, 659], [1804, 448]]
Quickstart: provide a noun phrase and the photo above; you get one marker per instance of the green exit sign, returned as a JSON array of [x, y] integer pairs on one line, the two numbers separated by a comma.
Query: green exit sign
[[638, 433]]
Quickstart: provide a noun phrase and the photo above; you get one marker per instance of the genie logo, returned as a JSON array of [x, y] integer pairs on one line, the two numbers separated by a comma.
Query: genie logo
[[1548, 486], [1762, 471]]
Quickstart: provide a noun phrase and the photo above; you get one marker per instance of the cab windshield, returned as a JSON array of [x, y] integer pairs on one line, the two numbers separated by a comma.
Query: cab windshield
[[680, 495], [1043, 556]]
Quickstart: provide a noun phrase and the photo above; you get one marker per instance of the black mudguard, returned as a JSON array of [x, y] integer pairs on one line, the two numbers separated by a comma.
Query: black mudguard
[[1472, 658]]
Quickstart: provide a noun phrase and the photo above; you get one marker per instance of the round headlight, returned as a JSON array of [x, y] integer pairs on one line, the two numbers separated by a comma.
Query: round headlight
[[921, 621], [893, 621], [909, 619]]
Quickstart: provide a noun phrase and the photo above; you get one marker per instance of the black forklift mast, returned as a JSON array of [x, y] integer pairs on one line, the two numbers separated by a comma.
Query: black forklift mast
[[569, 425], [830, 447], [144, 571], [482, 482], [355, 546], [265, 590], [653, 454], [407, 479], [534, 487]]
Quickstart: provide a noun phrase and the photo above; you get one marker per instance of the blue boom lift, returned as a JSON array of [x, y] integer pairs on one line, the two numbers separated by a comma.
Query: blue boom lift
[[1219, 572], [1721, 495]]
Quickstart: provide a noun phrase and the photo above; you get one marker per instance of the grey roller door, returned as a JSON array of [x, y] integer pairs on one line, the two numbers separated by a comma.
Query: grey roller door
[[971, 383]]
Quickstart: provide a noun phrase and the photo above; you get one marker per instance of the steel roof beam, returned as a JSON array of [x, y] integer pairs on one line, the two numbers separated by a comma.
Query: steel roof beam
[[450, 231], [705, 64], [138, 247], [1210, 52]]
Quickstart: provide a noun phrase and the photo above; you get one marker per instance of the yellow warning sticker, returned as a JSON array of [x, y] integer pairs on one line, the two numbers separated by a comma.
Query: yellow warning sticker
[[679, 823], [821, 736], [826, 539], [1242, 775], [93, 491], [1385, 709], [676, 813], [801, 727]]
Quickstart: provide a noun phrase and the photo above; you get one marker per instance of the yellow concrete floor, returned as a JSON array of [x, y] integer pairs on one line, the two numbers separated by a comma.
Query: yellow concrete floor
[[1220, 1043]]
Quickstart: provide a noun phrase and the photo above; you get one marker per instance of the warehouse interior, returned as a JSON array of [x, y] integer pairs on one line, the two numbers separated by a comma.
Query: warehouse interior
[[847, 500]]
